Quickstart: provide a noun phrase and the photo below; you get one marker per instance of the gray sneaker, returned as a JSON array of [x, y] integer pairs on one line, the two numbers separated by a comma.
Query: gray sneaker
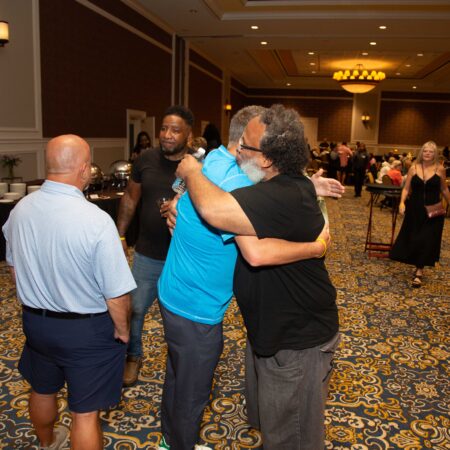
[[61, 435]]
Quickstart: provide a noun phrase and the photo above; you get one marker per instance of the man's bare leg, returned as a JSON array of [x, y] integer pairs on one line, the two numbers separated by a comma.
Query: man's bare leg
[[43, 413], [86, 433]]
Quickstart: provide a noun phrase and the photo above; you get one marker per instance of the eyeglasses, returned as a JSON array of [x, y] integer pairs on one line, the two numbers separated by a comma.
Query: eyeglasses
[[248, 147]]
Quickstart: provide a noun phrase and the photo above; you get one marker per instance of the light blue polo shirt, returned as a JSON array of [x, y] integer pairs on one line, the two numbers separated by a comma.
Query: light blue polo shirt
[[66, 251], [197, 279]]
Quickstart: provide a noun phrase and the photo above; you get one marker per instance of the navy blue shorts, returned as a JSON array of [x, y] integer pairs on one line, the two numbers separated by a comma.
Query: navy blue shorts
[[81, 352]]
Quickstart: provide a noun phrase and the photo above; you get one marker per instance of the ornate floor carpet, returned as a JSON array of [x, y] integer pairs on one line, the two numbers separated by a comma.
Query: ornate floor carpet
[[390, 389]]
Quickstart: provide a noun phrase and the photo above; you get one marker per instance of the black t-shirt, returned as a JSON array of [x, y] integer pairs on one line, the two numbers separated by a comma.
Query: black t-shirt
[[292, 306], [156, 175]]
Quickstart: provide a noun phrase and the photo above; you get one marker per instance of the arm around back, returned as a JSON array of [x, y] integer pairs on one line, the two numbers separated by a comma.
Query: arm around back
[[217, 207]]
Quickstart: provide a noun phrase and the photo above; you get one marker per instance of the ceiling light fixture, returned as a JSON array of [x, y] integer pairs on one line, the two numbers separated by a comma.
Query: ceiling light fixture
[[358, 80], [288, 84], [312, 63], [373, 43], [364, 53], [263, 42], [254, 27], [4, 33], [382, 27], [310, 53], [414, 87], [419, 54]]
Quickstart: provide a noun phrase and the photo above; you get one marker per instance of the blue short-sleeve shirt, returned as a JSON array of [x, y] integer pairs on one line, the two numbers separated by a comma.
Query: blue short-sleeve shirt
[[66, 251], [197, 279]]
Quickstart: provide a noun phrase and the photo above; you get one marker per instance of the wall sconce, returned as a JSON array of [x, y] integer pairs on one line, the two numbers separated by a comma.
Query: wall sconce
[[365, 119], [228, 107], [4, 33]]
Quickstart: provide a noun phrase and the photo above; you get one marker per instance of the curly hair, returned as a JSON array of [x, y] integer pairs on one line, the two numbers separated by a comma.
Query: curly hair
[[182, 112], [283, 141]]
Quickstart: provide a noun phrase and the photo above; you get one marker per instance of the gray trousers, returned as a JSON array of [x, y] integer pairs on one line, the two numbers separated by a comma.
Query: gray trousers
[[193, 352], [286, 395]]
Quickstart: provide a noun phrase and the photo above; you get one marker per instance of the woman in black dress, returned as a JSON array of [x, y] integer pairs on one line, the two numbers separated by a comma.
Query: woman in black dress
[[419, 240]]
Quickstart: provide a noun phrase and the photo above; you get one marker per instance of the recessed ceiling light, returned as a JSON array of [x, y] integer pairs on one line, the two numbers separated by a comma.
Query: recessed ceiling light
[[254, 27], [313, 71], [414, 87], [373, 43], [419, 54], [382, 27], [364, 53], [288, 84], [312, 63], [408, 65], [310, 53], [398, 73], [263, 42]]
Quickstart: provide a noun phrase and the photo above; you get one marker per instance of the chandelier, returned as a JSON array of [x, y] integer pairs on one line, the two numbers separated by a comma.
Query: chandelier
[[359, 80]]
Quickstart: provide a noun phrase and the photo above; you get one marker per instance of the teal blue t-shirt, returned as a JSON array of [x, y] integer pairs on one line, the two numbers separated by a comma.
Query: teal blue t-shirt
[[197, 279]]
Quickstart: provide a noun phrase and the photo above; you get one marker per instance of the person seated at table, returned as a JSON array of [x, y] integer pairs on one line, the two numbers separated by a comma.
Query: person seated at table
[[386, 166], [395, 173]]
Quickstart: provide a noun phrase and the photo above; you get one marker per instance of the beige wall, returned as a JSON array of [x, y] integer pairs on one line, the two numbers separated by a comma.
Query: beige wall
[[19, 71]]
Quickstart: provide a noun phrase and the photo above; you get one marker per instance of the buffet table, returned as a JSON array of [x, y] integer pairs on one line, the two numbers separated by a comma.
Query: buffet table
[[108, 201], [381, 249]]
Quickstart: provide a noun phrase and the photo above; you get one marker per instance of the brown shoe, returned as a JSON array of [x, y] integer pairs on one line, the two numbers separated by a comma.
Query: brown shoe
[[132, 366]]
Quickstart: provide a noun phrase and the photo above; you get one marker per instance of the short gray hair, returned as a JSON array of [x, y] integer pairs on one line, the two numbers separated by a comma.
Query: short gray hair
[[240, 120]]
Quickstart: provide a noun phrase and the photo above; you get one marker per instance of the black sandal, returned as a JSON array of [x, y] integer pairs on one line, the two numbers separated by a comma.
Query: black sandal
[[417, 281]]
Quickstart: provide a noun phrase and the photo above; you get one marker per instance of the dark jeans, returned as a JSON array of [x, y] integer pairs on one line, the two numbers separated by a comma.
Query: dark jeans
[[358, 177]]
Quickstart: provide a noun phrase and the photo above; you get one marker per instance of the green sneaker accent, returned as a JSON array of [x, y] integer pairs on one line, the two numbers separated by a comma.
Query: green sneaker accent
[[163, 445]]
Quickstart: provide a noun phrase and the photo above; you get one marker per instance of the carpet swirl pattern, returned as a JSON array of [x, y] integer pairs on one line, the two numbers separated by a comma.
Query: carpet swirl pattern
[[390, 388]]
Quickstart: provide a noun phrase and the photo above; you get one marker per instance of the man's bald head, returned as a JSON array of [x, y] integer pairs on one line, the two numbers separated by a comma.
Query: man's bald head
[[66, 154]]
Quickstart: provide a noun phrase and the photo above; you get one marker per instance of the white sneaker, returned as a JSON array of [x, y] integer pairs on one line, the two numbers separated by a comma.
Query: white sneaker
[[61, 437]]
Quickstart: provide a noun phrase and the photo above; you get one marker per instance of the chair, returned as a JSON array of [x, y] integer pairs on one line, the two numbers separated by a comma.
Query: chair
[[371, 180], [387, 202], [386, 179]]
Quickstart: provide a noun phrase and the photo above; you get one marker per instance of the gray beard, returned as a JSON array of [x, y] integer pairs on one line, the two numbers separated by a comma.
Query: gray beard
[[253, 171]]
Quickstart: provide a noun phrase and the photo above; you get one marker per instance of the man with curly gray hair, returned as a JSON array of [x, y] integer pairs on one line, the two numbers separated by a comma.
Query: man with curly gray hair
[[289, 310]]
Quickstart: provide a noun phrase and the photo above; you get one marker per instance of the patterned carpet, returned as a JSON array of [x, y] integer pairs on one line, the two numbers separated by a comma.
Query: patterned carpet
[[390, 389]]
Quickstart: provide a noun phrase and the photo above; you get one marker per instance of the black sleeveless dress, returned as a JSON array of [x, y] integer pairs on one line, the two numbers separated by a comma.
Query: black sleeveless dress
[[419, 240]]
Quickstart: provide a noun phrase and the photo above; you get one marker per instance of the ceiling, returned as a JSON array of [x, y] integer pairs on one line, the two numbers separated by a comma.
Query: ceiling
[[307, 40]]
